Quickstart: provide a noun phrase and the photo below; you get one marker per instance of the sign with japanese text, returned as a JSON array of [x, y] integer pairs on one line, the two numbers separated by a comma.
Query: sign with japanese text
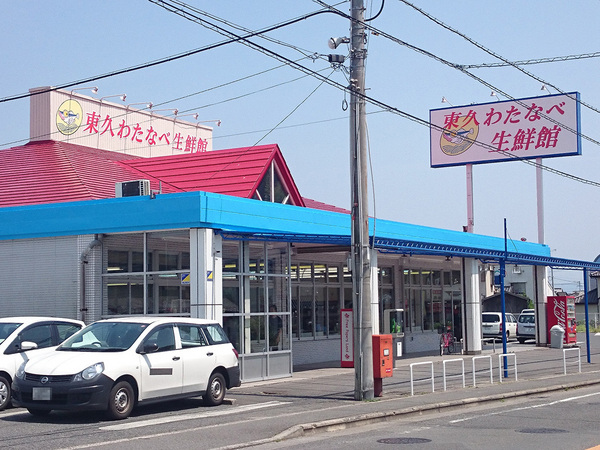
[[95, 123], [537, 127], [347, 350]]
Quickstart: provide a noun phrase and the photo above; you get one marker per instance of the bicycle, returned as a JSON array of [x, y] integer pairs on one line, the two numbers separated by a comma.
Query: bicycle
[[447, 342]]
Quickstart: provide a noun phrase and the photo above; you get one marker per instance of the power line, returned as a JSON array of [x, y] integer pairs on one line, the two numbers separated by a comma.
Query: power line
[[492, 53], [243, 40], [533, 61]]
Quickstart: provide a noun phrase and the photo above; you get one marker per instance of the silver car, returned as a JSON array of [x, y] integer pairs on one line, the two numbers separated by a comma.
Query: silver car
[[526, 327]]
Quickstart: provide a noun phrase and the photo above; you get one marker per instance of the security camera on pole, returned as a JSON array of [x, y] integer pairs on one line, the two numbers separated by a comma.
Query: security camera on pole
[[361, 257]]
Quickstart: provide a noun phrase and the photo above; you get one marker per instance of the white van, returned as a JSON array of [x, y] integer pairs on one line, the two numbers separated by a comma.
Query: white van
[[114, 364], [491, 325]]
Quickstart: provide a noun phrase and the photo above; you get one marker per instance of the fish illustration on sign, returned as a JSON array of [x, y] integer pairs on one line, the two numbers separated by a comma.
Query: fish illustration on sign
[[458, 139], [69, 117]]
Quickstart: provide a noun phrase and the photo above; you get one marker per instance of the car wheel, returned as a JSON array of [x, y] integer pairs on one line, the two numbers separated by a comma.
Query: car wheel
[[4, 393], [120, 401], [215, 392], [521, 340], [38, 412]]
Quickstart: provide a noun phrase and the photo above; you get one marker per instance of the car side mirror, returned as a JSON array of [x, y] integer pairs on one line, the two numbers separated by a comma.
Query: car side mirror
[[28, 345], [150, 347]]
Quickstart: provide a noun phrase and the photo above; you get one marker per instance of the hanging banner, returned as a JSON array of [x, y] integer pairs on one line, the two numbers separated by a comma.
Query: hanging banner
[[537, 127], [347, 350]]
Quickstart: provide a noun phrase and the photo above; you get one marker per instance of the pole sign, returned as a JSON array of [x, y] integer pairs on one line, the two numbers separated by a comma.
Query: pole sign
[[528, 128], [347, 350]]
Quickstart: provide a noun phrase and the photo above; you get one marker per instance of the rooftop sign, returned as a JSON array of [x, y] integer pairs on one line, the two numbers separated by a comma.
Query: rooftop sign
[[71, 117], [537, 127]]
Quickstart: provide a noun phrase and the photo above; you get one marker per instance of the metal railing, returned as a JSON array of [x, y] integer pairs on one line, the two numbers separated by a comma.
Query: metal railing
[[462, 374], [578, 361], [489, 357], [412, 381], [507, 368]]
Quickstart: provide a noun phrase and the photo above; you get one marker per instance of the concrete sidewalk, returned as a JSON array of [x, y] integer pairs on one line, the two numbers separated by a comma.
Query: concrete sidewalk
[[324, 398]]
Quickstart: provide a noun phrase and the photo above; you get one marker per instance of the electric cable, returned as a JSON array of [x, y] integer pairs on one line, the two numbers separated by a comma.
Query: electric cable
[[490, 52], [264, 50]]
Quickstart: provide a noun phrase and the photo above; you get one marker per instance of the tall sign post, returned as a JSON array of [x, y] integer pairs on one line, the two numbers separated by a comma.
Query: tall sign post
[[361, 257]]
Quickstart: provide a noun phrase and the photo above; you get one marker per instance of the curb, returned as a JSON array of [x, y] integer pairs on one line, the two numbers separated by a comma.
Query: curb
[[367, 419]]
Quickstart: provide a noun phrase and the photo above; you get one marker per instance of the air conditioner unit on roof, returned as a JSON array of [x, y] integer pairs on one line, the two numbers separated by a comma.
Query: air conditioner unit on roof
[[132, 188]]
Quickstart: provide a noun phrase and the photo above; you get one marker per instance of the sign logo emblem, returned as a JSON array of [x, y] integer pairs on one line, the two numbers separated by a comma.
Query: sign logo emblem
[[44, 380], [458, 138], [69, 117]]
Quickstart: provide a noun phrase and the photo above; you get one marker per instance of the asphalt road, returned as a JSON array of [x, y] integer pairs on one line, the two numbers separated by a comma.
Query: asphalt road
[[559, 420], [257, 412]]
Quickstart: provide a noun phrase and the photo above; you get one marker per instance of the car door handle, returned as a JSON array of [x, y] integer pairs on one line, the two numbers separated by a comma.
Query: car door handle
[[209, 354], [176, 358]]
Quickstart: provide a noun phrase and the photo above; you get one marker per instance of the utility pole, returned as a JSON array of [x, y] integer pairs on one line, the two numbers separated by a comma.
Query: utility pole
[[361, 256]]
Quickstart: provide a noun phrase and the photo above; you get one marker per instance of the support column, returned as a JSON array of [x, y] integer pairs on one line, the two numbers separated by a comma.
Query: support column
[[374, 293], [471, 307], [206, 300], [541, 299]]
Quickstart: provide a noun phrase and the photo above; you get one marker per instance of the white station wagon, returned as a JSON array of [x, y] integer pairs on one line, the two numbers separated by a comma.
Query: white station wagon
[[22, 338], [114, 364]]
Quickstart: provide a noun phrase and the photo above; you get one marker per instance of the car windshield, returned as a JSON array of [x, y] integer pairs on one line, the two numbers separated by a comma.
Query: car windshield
[[490, 318], [6, 329], [527, 319], [104, 337]]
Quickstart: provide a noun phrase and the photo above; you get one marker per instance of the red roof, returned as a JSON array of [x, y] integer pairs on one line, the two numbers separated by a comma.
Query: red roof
[[50, 172], [236, 172]]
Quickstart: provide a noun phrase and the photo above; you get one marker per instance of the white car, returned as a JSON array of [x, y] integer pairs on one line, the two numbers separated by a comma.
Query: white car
[[491, 325], [526, 326], [21, 338], [115, 364]]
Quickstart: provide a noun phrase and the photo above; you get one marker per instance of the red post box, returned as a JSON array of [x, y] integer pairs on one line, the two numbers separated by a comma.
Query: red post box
[[383, 360]]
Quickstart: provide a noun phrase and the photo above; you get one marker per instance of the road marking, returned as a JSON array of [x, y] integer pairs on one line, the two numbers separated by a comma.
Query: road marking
[[541, 405], [202, 415]]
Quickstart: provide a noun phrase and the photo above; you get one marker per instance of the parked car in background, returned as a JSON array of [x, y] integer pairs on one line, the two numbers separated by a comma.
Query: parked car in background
[[526, 326], [491, 325], [115, 364], [24, 337]]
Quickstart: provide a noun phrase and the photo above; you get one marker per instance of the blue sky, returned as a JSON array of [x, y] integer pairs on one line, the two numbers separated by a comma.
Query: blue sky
[[49, 43]]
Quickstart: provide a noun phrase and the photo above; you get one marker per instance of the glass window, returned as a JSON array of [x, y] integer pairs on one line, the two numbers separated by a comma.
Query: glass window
[[231, 255], [306, 311], [320, 312], [320, 271], [162, 339], [257, 294], [333, 310], [118, 261], [40, 334], [168, 261], [426, 277], [231, 325], [386, 275], [456, 280], [231, 293], [427, 310], [257, 258], [257, 334], [415, 277], [66, 330], [216, 334], [191, 336], [333, 274]]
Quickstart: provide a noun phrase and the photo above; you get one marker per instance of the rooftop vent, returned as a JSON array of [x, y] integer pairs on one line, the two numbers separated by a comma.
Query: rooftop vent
[[132, 188]]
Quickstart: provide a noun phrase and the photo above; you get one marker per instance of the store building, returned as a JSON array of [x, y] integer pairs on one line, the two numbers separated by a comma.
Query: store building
[[221, 234]]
